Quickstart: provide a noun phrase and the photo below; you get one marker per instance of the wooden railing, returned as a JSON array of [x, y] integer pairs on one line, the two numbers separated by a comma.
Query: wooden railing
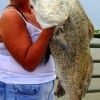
[[95, 45]]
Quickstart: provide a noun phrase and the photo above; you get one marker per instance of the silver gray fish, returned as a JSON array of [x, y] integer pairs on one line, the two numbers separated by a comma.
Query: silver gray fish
[[70, 47]]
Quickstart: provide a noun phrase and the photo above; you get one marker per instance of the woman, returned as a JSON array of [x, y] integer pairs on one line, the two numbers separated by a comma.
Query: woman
[[27, 69]]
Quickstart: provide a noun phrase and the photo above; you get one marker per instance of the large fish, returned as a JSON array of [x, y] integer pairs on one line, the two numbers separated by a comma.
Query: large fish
[[70, 47]]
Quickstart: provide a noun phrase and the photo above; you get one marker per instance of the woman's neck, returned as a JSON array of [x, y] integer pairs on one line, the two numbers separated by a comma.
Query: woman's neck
[[24, 6]]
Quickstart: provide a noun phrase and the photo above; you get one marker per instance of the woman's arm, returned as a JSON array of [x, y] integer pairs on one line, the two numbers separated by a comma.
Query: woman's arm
[[18, 42], [0, 34]]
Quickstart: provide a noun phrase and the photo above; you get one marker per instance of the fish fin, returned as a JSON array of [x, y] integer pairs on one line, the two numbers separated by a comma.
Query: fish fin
[[88, 77], [59, 90], [91, 29], [60, 41]]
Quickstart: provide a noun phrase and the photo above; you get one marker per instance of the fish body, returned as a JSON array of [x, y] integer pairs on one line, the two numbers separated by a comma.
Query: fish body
[[70, 47]]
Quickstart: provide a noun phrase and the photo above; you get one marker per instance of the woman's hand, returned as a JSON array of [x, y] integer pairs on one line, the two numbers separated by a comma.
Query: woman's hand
[[49, 31]]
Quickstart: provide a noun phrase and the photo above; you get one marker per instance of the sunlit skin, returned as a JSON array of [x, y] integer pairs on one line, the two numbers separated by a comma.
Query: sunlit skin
[[16, 38], [0, 35]]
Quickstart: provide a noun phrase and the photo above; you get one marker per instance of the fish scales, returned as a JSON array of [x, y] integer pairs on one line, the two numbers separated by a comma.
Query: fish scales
[[71, 51]]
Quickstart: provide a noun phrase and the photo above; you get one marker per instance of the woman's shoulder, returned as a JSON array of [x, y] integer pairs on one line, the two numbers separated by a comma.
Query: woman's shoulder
[[10, 16], [10, 13]]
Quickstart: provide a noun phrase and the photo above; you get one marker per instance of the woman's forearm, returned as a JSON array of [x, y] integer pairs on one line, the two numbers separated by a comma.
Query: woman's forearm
[[36, 52]]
